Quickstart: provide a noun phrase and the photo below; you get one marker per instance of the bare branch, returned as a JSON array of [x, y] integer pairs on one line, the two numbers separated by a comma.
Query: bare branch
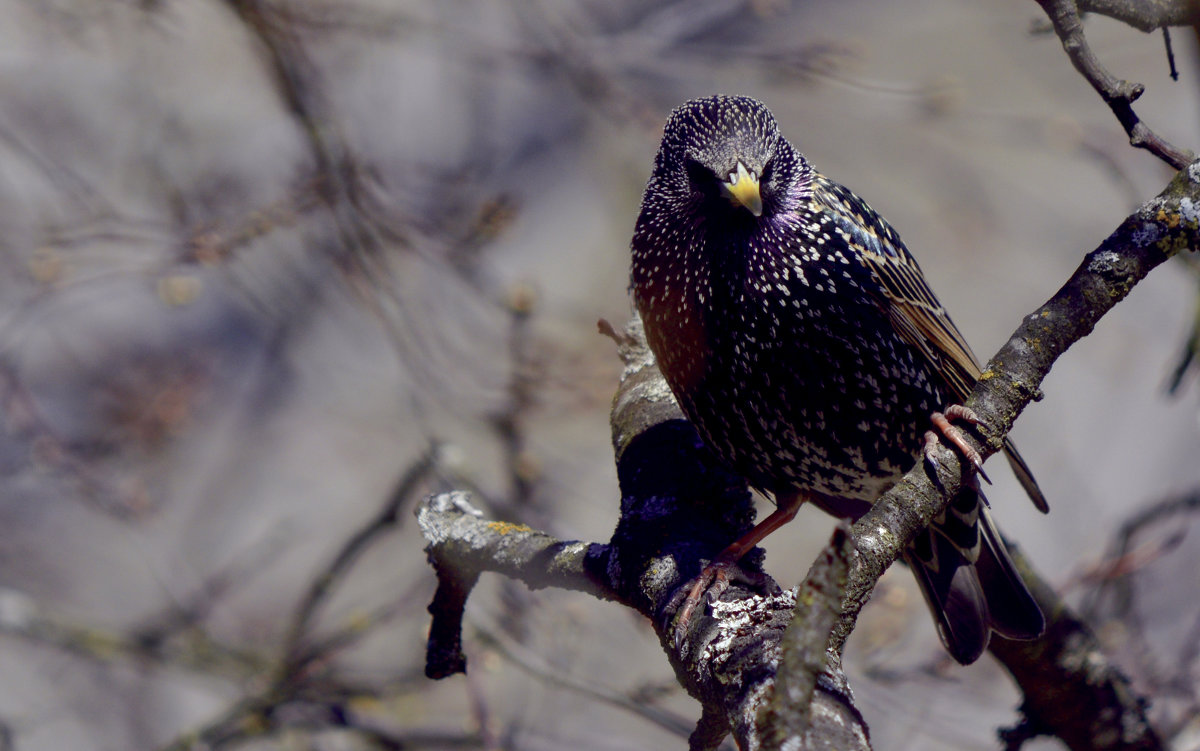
[[1118, 94], [1146, 15], [1072, 688], [462, 545], [387, 518], [679, 507], [805, 652]]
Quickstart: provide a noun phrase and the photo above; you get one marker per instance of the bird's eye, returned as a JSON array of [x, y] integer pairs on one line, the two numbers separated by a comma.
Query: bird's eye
[[698, 175]]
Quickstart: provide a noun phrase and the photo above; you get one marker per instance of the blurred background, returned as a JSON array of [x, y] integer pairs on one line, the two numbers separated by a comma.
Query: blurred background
[[274, 270]]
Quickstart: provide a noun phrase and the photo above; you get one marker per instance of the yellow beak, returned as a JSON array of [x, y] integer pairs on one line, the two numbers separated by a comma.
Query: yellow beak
[[742, 188]]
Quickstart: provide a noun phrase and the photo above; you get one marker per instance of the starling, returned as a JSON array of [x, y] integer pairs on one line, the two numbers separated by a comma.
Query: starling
[[801, 339]]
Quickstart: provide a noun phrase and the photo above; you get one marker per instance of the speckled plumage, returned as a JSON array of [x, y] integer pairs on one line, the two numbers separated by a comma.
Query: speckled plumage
[[799, 335]]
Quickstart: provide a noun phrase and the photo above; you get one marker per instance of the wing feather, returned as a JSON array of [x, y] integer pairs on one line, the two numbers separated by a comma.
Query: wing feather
[[914, 311]]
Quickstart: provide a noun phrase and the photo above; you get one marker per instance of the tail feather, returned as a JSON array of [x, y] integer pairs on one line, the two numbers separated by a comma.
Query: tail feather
[[954, 596], [1013, 611], [1023, 473], [970, 583]]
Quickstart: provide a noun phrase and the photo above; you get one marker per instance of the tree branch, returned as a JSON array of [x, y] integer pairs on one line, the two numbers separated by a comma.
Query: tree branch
[[1118, 94], [1146, 15], [296, 654], [1071, 687], [805, 650], [461, 545], [1067, 661], [679, 507]]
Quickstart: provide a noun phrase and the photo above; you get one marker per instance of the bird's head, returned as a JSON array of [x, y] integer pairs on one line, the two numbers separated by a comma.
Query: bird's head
[[726, 152]]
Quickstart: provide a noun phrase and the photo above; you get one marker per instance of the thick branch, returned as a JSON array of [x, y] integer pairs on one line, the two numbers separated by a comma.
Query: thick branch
[[1072, 689], [1146, 15], [679, 508], [462, 545]]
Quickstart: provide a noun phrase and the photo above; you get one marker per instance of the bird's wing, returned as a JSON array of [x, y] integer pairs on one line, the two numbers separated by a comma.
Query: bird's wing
[[914, 311], [911, 306]]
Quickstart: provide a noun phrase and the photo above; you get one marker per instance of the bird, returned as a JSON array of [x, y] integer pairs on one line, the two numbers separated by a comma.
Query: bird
[[802, 340]]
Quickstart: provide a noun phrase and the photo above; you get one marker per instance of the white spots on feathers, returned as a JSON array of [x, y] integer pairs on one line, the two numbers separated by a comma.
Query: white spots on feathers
[[802, 378]]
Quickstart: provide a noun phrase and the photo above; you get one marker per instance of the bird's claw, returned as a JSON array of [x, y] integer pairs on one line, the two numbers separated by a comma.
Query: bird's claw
[[713, 579], [954, 436], [710, 584]]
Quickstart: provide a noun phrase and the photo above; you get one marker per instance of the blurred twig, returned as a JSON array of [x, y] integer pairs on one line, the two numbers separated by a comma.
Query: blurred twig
[[360, 626], [300, 82], [1122, 548], [298, 696], [1116, 584], [509, 422], [323, 584], [194, 649], [531, 664], [587, 65], [48, 448], [267, 716], [192, 610]]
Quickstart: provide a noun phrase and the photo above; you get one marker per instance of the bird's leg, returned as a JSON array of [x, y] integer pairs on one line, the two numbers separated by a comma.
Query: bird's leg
[[715, 577], [954, 436]]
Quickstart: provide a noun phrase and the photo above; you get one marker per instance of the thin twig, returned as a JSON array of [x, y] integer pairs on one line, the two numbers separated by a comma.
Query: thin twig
[[386, 519], [531, 664], [360, 626], [509, 422], [196, 607], [1174, 72]]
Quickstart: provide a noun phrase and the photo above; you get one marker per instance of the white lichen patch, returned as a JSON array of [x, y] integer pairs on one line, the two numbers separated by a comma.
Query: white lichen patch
[[739, 618], [1146, 234], [435, 516], [1189, 210], [1103, 262]]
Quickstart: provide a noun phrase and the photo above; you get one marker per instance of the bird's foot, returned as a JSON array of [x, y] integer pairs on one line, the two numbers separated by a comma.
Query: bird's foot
[[715, 577], [710, 584], [954, 436]]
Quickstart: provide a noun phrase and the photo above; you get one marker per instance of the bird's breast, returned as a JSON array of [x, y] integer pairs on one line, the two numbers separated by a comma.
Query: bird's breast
[[675, 331]]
